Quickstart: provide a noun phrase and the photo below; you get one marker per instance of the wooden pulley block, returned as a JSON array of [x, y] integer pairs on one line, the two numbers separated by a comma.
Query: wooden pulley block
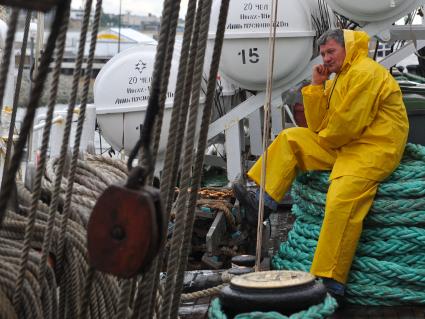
[[38, 5], [126, 230], [286, 292]]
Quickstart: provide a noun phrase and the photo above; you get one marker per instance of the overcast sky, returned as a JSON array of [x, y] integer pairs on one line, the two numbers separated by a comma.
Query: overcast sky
[[140, 7]]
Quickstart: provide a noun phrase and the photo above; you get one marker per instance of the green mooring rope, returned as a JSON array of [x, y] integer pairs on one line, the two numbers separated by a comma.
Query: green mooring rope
[[389, 267], [320, 311]]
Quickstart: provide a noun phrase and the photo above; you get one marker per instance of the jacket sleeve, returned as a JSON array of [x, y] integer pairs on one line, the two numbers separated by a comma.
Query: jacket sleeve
[[353, 113], [315, 106]]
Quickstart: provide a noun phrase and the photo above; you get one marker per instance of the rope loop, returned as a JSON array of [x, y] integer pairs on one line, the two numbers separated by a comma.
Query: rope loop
[[323, 310]]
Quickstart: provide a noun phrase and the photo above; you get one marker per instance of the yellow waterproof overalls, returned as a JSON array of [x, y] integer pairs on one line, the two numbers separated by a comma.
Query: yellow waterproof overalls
[[357, 127]]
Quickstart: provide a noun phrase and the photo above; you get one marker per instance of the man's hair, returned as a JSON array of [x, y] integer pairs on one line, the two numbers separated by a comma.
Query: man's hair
[[334, 34]]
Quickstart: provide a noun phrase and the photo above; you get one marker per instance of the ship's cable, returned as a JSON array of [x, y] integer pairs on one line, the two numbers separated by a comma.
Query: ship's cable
[[41, 164], [200, 154], [76, 150], [150, 282], [17, 92], [37, 90], [181, 205], [165, 80]]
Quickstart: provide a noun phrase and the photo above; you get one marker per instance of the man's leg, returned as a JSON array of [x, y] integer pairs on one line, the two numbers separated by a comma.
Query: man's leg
[[294, 149], [348, 201]]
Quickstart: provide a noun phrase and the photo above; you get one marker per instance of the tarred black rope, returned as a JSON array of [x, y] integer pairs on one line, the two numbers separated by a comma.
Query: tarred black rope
[[36, 93]]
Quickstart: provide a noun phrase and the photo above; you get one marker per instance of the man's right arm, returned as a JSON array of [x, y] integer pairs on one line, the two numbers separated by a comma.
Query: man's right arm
[[315, 99], [315, 107]]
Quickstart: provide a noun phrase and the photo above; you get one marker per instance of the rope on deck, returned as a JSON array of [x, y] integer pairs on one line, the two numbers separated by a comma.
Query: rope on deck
[[39, 297], [323, 310], [389, 267]]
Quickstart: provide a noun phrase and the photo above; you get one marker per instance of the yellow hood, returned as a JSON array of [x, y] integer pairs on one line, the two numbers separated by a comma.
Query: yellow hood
[[356, 46]]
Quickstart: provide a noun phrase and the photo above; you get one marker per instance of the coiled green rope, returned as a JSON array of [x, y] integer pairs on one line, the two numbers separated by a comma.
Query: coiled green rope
[[389, 267], [320, 311]]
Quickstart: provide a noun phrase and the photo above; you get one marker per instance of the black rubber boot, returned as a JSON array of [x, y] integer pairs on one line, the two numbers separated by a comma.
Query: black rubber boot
[[336, 290], [249, 202]]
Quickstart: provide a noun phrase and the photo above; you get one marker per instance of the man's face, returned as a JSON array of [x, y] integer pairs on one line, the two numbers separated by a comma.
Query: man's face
[[333, 55]]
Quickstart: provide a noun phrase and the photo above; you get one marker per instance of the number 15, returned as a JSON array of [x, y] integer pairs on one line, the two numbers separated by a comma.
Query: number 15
[[253, 56]]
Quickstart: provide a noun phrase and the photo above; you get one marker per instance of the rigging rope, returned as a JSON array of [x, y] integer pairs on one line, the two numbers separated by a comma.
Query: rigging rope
[[159, 86], [179, 109], [76, 151], [9, 181], [178, 122], [200, 154], [40, 169], [389, 262], [181, 205], [165, 78], [17, 91], [149, 286], [266, 133], [156, 86], [323, 310]]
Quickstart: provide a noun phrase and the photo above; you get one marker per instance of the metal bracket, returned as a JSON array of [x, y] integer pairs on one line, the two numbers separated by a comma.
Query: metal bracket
[[215, 234]]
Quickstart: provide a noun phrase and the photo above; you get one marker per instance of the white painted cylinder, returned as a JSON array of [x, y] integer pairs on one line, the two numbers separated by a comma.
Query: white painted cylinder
[[245, 54], [372, 11], [121, 95]]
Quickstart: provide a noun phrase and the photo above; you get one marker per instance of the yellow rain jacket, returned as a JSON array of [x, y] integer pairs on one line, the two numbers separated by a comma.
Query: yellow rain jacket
[[358, 129], [360, 114]]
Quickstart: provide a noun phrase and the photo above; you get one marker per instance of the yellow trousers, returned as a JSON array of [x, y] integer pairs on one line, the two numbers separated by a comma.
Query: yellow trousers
[[348, 201]]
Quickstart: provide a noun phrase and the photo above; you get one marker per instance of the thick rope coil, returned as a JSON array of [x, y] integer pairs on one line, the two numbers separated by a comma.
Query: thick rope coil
[[222, 206], [39, 298], [94, 175], [323, 310], [389, 265]]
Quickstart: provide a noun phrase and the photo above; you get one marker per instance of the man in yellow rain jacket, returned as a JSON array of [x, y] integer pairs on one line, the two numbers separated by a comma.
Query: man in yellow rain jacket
[[357, 128]]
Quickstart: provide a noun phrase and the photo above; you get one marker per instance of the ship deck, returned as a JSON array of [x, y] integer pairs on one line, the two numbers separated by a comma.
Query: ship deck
[[281, 224]]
